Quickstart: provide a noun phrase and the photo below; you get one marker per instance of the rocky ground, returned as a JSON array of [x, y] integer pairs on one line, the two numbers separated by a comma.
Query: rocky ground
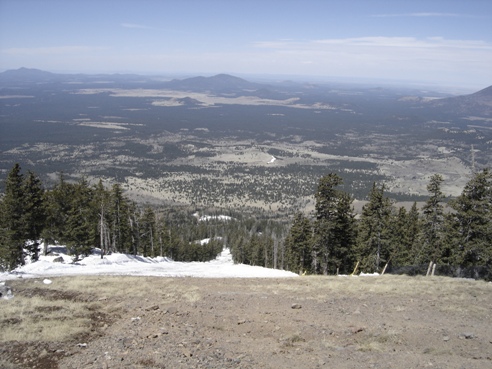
[[305, 322]]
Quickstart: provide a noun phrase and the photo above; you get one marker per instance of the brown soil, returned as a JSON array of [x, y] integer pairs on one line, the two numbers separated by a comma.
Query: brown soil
[[306, 322]]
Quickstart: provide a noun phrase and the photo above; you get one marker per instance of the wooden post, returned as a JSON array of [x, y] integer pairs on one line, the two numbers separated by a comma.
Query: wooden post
[[433, 269], [384, 269], [429, 268], [355, 270], [386, 265]]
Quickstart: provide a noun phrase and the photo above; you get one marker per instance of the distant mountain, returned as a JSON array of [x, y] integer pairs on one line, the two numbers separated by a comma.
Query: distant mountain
[[486, 93], [27, 75], [478, 103], [24, 76], [220, 83]]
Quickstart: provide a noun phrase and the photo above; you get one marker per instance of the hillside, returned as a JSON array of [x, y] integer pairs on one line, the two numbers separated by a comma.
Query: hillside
[[291, 323], [476, 104]]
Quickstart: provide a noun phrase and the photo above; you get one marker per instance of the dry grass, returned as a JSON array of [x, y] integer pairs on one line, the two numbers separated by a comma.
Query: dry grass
[[65, 308], [35, 318], [450, 289]]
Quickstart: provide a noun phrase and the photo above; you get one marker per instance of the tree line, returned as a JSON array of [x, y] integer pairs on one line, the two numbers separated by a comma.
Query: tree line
[[331, 240], [335, 240], [82, 217]]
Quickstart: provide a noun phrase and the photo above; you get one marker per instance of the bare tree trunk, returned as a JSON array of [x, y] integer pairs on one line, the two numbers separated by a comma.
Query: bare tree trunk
[[275, 251], [101, 232], [151, 242]]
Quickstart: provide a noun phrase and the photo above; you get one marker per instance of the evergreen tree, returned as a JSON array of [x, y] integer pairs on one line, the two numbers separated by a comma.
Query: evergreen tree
[[163, 237], [405, 236], [82, 221], [334, 226], [413, 233], [433, 231], [298, 245], [34, 213], [147, 232], [58, 202], [326, 198], [471, 224], [374, 231], [345, 232], [13, 219], [121, 216]]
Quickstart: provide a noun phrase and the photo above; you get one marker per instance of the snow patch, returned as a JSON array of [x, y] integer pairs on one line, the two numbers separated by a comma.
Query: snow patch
[[124, 264]]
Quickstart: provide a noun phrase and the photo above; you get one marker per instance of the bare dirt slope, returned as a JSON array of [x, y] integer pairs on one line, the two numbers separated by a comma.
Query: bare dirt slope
[[305, 322]]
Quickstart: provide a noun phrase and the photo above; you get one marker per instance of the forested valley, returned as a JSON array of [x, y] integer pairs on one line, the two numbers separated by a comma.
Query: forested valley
[[454, 234]]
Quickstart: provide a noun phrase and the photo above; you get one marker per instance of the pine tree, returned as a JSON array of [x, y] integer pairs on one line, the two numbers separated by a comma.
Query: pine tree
[[298, 245], [334, 229], [413, 234], [162, 236], [34, 213], [14, 228], [147, 232], [471, 224], [345, 235], [120, 215], [57, 206], [82, 221], [405, 230], [433, 232], [374, 231]]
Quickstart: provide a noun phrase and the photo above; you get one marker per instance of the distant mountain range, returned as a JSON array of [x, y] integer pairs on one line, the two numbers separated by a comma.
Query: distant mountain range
[[478, 102], [221, 83], [31, 75]]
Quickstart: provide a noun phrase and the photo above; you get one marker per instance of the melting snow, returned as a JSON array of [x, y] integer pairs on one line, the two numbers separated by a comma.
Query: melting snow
[[123, 264]]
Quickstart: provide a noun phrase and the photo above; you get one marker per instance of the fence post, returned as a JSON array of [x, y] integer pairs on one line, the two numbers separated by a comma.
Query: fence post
[[429, 268]]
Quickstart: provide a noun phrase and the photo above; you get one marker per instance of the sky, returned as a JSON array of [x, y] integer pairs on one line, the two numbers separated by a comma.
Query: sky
[[436, 42]]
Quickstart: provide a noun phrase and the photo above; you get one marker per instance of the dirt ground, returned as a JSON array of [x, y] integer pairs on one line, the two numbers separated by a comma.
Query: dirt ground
[[305, 322]]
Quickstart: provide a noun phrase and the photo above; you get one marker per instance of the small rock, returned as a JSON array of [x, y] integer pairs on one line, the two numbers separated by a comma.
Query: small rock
[[296, 306], [155, 307], [358, 330], [445, 338], [242, 321], [82, 345], [47, 281], [171, 310], [5, 292], [59, 259], [467, 335]]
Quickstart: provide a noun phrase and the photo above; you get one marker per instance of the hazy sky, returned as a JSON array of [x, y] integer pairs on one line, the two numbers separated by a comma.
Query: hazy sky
[[445, 42]]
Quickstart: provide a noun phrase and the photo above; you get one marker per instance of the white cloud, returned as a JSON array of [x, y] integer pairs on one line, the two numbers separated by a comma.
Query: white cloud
[[432, 58], [377, 41]]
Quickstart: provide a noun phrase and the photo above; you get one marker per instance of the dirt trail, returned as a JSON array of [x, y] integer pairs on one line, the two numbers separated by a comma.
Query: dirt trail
[[384, 322]]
